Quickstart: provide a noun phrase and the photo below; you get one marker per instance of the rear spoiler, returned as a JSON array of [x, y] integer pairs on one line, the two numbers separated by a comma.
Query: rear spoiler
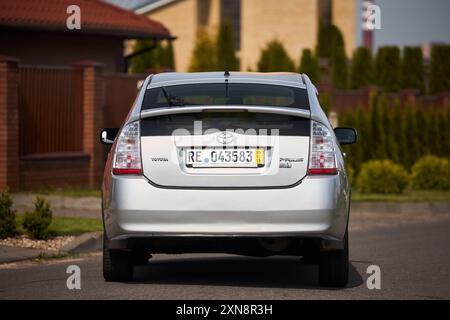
[[193, 109]]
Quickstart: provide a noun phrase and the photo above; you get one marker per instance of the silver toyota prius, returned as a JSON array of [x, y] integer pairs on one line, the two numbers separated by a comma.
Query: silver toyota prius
[[226, 162]]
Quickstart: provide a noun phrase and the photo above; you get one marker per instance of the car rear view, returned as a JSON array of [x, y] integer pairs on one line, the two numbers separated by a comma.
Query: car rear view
[[228, 163]]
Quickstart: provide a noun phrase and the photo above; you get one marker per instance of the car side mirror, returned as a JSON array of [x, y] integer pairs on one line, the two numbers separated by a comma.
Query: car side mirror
[[346, 135], [108, 135]]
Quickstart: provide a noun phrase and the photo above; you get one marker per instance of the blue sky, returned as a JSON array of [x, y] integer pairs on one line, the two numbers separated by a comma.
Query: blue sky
[[411, 22]]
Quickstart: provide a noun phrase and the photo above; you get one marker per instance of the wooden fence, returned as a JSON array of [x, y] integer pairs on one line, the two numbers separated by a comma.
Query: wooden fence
[[50, 110], [53, 117]]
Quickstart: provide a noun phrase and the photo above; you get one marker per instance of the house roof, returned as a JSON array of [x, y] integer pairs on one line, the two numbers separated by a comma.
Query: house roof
[[97, 17], [152, 5], [140, 6], [131, 4]]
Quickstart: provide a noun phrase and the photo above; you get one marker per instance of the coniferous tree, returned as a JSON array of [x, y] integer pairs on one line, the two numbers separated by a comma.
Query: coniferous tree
[[158, 54], [377, 136], [144, 61], [391, 148], [330, 45], [169, 56], [274, 58], [412, 131], [388, 68], [310, 65], [324, 100], [398, 132], [339, 68], [445, 127], [362, 68], [226, 53], [423, 132], [441, 125], [159, 57], [348, 120], [434, 141], [203, 56], [413, 69], [440, 69], [329, 39], [361, 152]]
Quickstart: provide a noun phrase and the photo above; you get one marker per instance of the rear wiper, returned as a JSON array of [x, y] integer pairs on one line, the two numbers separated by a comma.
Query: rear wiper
[[171, 100]]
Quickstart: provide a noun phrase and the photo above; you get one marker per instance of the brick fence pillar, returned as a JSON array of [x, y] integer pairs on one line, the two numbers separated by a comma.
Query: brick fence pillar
[[93, 104], [9, 123]]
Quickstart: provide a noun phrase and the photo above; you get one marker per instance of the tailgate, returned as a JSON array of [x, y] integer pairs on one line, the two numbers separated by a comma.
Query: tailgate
[[225, 148]]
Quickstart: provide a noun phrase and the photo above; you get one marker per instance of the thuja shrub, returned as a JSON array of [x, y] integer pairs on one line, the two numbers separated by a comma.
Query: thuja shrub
[[7, 216], [37, 222], [381, 176], [431, 173]]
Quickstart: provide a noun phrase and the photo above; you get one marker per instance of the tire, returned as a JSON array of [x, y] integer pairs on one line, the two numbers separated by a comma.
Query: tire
[[333, 266], [117, 265]]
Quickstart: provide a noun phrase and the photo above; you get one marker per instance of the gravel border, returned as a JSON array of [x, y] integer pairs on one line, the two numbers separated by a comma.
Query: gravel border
[[53, 244]]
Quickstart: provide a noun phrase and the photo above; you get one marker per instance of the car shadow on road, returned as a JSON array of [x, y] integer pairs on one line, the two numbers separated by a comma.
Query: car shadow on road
[[271, 272]]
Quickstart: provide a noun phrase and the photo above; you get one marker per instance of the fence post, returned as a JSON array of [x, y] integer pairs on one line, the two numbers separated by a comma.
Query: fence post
[[93, 104], [9, 123]]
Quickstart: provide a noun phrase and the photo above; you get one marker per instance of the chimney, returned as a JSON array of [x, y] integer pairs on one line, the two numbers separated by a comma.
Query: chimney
[[367, 33]]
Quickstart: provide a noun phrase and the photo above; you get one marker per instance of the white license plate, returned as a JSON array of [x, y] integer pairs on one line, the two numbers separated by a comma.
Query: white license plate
[[219, 157]]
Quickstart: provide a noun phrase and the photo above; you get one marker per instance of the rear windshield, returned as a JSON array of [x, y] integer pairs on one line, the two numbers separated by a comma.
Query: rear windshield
[[244, 94], [243, 122]]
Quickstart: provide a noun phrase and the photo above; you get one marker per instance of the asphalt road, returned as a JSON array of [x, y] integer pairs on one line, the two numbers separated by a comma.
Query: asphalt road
[[414, 259]]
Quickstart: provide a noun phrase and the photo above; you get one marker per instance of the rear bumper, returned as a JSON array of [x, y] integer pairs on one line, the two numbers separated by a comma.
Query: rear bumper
[[233, 244], [135, 211]]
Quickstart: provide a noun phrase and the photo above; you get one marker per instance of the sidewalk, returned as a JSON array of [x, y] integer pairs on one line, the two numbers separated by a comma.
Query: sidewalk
[[13, 254], [84, 243]]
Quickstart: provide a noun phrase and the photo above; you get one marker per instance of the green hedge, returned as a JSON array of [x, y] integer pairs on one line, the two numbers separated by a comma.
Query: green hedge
[[386, 131], [381, 176], [431, 173]]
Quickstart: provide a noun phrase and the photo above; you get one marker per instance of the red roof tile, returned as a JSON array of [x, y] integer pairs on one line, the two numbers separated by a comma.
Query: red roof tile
[[96, 17]]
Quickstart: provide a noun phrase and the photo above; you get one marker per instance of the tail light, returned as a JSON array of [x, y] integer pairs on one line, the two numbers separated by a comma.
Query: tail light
[[127, 158], [322, 157]]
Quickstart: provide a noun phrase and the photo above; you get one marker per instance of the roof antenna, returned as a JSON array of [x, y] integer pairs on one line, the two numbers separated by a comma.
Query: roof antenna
[[226, 75]]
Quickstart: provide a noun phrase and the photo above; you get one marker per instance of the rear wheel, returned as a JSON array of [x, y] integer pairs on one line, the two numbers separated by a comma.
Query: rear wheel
[[333, 266], [117, 265]]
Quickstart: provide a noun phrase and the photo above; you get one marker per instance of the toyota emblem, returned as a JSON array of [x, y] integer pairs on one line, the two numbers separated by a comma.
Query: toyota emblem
[[225, 137]]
